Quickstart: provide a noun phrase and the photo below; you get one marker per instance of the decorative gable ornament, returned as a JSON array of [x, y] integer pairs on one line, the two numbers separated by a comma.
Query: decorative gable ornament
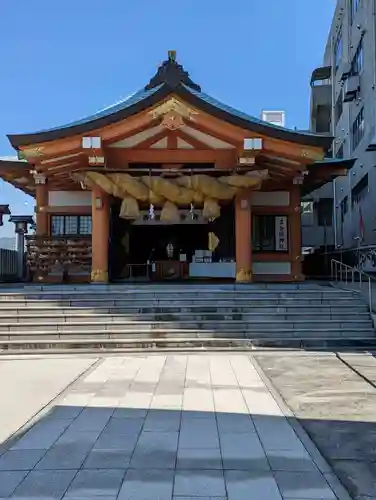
[[172, 121], [25, 154], [173, 113]]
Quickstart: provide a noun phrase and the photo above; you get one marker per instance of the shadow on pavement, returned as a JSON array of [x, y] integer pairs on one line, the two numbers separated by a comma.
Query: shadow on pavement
[[129, 453]]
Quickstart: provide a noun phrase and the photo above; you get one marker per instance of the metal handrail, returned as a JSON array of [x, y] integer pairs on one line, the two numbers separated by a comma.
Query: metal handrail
[[340, 273]]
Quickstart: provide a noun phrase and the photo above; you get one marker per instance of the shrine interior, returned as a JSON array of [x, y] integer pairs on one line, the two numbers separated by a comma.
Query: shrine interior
[[135, 247]]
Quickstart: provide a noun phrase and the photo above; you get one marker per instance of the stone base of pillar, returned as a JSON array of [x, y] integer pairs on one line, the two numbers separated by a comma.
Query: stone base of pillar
[[99, 276], [243, 276]]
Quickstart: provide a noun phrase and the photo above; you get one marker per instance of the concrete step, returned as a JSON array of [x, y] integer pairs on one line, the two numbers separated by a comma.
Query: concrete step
[[171, 293], [115, 345], [182, 294], [118, 318], [170, 288], [232, 330], [191, 323], [182, 302], [68, 316], [43, 310]]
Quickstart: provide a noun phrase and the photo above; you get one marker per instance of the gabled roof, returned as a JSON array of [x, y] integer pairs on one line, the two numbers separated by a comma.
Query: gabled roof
[[171, 78]]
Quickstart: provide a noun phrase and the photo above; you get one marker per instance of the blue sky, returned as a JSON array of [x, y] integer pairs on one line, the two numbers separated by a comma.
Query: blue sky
[[62, 61]]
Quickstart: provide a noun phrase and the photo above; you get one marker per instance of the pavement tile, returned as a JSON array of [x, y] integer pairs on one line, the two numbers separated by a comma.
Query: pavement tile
[[197, 498], [90, 484], [188, 415], [155, 450], [124, 426], [90, 421], [147, 485], [20, 459], [167, 402], [75, 497], [134, 442], [189, 458], [234, 423], [162, 421], [199, 433], [107, 459], [261, 403], [116, 442], [63, 411], [277, 434], [42, 435], [9, 480], [129, 413], [41, 484], [199, 483], [309, 485], [251, 485], [83, 438], [243, 452], [66, 456], [291, 460], [229, 400]]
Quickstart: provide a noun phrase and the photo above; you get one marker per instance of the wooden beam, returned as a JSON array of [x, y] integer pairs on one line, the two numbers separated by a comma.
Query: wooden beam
[[172, 140], [109, 134], [60, 159], [302, 154], [236, 135], [152, 123], [277, 169], [150, 141], [192, 140], [280, 160], [218, 133], [51, 170]]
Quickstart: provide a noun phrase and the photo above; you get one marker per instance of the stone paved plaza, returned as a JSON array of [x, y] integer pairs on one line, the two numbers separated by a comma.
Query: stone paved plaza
[[156, 427]]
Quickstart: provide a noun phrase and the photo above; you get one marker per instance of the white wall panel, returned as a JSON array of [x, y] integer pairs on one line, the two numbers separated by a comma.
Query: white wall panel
[[69, 198], [270, 199]]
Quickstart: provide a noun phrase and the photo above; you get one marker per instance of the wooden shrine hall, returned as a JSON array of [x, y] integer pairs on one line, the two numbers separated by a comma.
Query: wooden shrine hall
[[170, 184]]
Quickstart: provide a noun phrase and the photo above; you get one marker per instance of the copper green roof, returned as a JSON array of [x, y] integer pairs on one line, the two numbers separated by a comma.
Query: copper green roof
[[171, 78]]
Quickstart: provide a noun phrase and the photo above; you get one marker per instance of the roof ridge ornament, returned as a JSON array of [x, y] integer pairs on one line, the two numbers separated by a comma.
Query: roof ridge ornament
[[172, 74]]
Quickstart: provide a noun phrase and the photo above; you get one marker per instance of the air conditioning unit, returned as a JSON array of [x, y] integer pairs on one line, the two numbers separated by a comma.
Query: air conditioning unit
[[345, 70], [351, 88], [274, 117]]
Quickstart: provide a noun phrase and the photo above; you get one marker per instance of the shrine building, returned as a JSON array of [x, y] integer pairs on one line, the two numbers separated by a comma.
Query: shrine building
[[169, 184]]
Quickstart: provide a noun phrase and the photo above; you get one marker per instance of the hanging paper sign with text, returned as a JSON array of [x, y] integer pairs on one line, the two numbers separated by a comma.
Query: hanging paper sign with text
[[281, 244]]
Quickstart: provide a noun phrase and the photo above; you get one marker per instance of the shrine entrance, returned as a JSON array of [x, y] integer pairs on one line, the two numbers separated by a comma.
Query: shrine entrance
[[150, 249]]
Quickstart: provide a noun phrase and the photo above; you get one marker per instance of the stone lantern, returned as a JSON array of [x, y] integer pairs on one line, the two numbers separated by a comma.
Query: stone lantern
[[4, 210], [21, 223]]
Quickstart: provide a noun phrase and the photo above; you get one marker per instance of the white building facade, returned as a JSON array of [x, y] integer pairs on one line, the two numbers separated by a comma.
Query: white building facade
[[342, 214]]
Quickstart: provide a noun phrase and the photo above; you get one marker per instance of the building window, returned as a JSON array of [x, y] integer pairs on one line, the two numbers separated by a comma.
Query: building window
[[270, 233], [338, 49], [324, 212], [359, 191], [338, 108], [357, 63], [354, 6], [358, 129], [306, 207], [70, 225]]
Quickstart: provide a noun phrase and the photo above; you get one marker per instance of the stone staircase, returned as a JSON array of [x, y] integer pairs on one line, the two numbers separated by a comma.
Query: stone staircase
[[118, 317]]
